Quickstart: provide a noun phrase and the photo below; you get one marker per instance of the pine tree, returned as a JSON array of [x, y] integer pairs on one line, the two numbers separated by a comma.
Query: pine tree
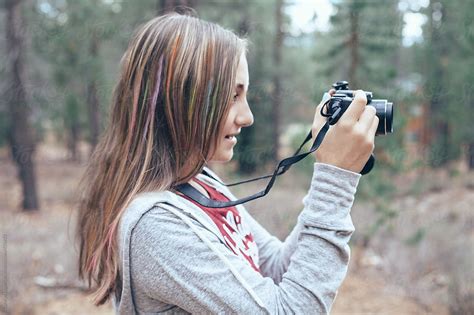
[[255, 21], [20, 133], [444, 76], [459, 24], [362, 45]]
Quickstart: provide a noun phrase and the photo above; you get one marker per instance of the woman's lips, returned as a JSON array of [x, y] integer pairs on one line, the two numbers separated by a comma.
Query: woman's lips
[[231, 139]]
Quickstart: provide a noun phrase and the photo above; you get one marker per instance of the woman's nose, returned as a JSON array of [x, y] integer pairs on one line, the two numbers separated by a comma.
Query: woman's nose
[[244, 116]]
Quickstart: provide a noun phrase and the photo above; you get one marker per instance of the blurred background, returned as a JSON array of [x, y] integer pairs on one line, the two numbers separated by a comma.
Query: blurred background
[[413, 249]]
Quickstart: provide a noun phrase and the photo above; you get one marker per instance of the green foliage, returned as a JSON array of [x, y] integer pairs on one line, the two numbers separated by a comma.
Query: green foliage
[[363, 46], [376, 60], [254, 21], [305, 166], [3, 130], [363, 36], [417, 237], [447, 66], [63, 40]]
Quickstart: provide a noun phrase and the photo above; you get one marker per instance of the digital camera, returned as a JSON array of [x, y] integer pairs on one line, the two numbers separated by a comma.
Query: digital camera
[[340, 101]]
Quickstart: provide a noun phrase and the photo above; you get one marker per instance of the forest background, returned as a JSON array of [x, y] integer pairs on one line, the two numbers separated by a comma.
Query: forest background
[[413, 250]]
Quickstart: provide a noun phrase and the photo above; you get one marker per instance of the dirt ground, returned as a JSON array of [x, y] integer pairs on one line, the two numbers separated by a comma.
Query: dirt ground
[[40, 274]]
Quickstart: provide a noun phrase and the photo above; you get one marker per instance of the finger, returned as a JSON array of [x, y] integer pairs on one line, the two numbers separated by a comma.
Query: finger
[[373, 127], [356, 108], [367, 118]]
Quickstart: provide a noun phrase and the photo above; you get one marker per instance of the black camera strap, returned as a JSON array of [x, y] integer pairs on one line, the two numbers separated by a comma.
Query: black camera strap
[[281, 168]]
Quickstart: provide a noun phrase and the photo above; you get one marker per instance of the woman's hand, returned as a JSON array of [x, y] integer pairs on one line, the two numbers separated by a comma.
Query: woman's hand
[[348, 143]]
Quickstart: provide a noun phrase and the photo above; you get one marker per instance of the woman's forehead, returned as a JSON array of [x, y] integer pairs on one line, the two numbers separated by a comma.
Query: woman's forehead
[[242, 78]]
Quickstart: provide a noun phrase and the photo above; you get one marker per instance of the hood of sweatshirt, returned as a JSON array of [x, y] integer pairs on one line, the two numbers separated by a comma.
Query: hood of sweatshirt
[[141, 204]]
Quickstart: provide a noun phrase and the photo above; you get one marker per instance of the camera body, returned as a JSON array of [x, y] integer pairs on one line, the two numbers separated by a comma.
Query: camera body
[[340, 101]]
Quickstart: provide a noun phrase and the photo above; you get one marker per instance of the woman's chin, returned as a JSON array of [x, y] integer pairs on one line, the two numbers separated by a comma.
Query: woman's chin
[[224, 157]]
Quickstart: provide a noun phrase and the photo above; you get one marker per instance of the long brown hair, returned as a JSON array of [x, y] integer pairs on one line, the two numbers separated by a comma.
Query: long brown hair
[[168, 107]]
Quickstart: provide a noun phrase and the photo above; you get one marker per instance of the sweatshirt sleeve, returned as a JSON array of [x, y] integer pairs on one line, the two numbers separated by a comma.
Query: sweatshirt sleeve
[[274, 255], [170, 263]]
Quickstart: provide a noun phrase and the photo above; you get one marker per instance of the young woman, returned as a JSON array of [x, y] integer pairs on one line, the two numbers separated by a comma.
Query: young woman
[[181, 102]]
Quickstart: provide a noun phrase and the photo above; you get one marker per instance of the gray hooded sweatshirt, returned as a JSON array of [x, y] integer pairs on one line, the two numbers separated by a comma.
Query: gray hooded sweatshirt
[[174, 259]]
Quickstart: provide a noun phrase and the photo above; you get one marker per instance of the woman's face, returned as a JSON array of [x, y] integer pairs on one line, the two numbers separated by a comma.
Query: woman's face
[[239, 116]]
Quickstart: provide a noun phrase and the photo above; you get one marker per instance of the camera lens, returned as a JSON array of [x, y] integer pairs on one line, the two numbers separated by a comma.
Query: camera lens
[[384, 111], [389, 117]]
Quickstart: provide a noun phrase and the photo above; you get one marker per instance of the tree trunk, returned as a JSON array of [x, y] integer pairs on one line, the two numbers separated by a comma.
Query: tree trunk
[[439, 128], [73, 139], [247, 162], [277, 93], [92, 93], [354, 47], [20, 135], [470, 156]]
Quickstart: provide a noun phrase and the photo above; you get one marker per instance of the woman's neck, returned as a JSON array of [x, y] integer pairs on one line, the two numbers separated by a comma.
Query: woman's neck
[[201, 189]]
